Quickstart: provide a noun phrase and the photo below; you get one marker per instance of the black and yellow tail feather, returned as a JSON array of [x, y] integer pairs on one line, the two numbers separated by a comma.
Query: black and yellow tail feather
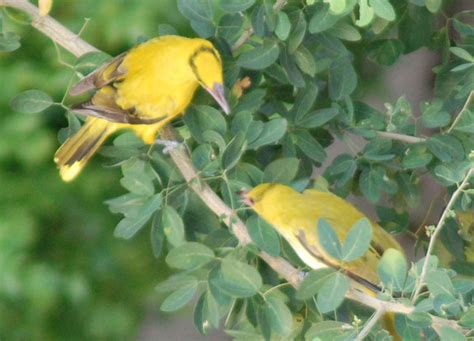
[[73, 155]]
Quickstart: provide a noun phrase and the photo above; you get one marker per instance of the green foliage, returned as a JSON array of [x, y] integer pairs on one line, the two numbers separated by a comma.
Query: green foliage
[[307, 65]]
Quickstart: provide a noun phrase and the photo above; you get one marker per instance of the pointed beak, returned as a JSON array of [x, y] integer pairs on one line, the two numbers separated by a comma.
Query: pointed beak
[[217, 92], [244, 198]]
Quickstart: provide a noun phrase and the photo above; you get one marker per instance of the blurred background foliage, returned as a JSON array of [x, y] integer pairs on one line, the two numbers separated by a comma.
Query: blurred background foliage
[[62, 273]]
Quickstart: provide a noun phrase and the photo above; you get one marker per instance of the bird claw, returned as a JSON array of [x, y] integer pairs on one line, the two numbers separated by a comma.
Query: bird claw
[[302, 274], [168, 145]]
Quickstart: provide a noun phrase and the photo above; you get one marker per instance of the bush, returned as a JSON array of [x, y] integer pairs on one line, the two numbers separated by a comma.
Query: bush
[[296, 75]]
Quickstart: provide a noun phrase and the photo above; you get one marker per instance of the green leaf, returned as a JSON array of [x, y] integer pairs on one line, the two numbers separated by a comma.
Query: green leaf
[[176, 282], [130, 225], [462, 67], [383, 9], [415, 28], [242, 280], [419, 319], [322, 19], [332, 292], [258, 21], [235, 6], [234, 151], [272, 132], [309, 145], [173, 226], [91, 61], [202, 118], [304, 101], [317, 118], [157, 235], [196, 10], [305, 61], [205, 29], [190, 255], [433, 115], [263, 235], [281, 170], [445, 304], [278, 316], [392, 269], [385, 51], [366, 14], [136, 178], [461, 53], [293, 74], [450, 334], [125, 203], [467, 320], [179, 298], [416, 156], [9, 41], [438, 282], [342, 79], [206, 313], [299, 24], [283, 26], [261, 57], [433, 5], [447, 148], [312, 282], [357, 240], [345, 31], [466, 122], [329, 239], [230, 27], [343, 169], [336, 6], [31, 101], [451, 173], [371, 182]]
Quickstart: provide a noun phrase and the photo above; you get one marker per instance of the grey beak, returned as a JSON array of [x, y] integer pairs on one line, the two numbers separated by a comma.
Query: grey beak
[[217, 92]]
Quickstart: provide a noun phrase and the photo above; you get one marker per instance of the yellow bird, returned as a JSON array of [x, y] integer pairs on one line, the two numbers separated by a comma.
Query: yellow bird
[[295, 215], [142, 89]]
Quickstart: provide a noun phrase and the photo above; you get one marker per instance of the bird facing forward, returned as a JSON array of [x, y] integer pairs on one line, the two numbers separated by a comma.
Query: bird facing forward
[[142, 89]]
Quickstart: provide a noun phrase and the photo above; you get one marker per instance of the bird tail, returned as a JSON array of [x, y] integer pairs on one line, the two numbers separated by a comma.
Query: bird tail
[[73, 155]]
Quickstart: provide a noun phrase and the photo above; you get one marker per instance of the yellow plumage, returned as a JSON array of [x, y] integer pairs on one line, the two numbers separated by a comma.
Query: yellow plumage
[[142, 89], [295, 215]]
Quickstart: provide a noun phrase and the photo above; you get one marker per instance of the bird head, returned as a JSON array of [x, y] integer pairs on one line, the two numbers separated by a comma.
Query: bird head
[[256, 195], [206, 65]]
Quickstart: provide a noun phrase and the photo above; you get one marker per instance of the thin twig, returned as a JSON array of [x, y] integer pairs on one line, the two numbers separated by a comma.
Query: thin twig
[[78, 47], [400, 137], [248, 32], [51, 28], [370, 324], [464, 108], [437, 230]]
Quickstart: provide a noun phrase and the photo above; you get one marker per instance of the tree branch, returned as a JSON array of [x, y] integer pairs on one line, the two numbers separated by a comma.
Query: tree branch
[[78, 47], [370, 324], [439, 226], [464, 108], [51, 28], [400, 137]]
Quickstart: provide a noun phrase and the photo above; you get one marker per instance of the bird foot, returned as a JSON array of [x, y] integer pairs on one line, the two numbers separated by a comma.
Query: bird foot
[[168, 145]]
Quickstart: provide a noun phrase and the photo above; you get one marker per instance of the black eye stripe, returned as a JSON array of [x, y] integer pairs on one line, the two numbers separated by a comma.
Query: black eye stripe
[[192, 59]]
